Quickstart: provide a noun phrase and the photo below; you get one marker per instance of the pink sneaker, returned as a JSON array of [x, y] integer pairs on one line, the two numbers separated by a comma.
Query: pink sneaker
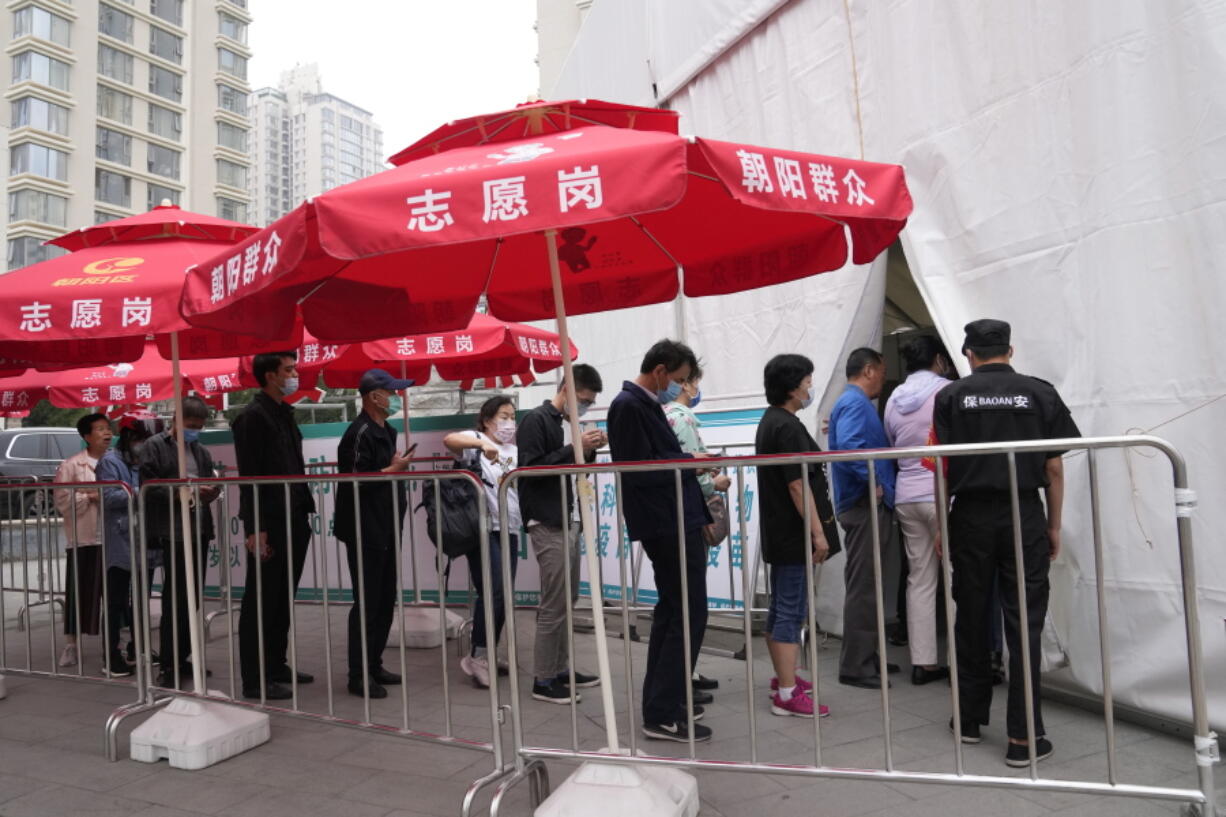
[[801, 685], [800, 706]]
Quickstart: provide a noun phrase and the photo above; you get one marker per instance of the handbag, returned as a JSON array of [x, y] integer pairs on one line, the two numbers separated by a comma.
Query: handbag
[[453, 514], [717, 531]]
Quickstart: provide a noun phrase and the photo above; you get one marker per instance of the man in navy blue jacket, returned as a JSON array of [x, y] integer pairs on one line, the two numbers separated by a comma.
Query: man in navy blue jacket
[[638, 430]]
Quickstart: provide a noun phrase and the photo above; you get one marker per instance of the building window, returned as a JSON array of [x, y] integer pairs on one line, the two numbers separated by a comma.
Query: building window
[[32, 112], [231, 173], [112, 188], [115, 64], [40, 68], [158, 194], [232, 63], [42, 24], [102, 216], [114, 105], [231, 209], [232, 27], [39, 160], [231, 137], [115, 23], [36, 205], [232, 99], [163, 161], [169, 10], [165, 122], [165, 45], [113, 146], [28, 250], [166, 84]]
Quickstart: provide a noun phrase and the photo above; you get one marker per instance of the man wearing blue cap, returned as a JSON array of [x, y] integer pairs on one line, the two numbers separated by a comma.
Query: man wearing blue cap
[[370, 534]]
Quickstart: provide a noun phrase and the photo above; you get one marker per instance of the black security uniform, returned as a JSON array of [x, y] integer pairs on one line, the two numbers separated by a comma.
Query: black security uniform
[[996, 404], [267, 443], [367, 447]]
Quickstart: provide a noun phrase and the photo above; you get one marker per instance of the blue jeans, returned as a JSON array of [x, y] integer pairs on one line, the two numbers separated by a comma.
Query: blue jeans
[[480, 637], [789, 604]]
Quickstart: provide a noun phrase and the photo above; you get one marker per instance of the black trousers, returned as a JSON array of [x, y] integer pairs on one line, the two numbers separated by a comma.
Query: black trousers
[[271, 592], [83, 588], [118, 608], [668, 670], [379, 601], [981, 549], [175, 635]]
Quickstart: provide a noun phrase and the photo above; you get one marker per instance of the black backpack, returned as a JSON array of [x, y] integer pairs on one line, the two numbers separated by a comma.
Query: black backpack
[[460, 524]]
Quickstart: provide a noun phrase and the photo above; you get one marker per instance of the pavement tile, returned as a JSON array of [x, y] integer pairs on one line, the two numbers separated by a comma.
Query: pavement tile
[[191, 790], [13, 786], [59, 801]]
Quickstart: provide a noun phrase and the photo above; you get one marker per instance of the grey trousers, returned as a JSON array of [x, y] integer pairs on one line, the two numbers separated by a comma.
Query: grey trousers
[[554, 548], [859, 658]]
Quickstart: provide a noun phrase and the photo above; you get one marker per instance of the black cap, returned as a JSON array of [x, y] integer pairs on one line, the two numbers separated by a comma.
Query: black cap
[[985, 333], [379, 379]]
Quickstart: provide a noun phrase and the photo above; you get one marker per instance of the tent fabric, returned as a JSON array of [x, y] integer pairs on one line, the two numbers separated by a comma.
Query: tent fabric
[[1068, 163]]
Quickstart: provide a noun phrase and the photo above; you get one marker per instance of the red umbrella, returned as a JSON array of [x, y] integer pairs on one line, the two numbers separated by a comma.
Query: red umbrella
[[533, 118], [148, 379], [487, 349], [632, 211], [99, 303]]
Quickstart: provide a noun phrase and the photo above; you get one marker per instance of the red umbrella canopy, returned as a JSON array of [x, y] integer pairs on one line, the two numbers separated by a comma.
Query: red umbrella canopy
[[147, 379], [532, 119], [634, 211], [100, 303], [164, 221], [487, 349]]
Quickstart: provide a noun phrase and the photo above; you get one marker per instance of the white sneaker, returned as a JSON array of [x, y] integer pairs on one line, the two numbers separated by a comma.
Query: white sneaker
[[68, 658], [478, 669]]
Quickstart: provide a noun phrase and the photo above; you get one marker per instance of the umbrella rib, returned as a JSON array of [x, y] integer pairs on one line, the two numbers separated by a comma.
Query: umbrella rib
[[651, 237]]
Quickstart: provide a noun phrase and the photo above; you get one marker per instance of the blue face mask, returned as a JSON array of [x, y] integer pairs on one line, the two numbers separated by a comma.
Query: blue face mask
[[697, 399], [394, 404], [669, 394], [190, 435]]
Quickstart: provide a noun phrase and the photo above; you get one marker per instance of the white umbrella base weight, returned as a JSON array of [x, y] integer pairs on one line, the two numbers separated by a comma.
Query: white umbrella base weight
[[421, 630], [615, 790], [194, 734]]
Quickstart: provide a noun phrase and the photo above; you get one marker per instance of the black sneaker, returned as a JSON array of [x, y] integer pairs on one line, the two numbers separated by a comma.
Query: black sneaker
[[704, 683], [554, 692], [698, 712], [582, 680], [117, 667], [970, 731], [678, 731], [1018, 755], [701, 697], [273, 692]]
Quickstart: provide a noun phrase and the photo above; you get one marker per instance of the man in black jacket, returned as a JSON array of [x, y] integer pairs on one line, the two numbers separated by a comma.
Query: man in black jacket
[[638, 430], [267, 443], [159, 459], [369, 445], [555, 538]]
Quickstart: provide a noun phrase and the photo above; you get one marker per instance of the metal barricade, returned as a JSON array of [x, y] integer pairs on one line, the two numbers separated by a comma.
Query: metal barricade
[[529, 759], [301, 540], [42, 569]]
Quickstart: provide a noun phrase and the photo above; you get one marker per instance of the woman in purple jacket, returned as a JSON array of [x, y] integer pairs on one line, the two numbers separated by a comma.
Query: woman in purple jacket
[[908, 418]]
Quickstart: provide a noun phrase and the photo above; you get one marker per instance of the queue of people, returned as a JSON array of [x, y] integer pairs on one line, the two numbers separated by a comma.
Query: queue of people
[[803, 510]]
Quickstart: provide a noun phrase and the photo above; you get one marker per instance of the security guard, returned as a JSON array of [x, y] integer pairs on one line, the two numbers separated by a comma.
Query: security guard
[[996, 404]]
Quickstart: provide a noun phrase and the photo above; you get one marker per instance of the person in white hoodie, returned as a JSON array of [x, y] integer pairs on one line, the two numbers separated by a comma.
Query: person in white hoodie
[[908, 420]]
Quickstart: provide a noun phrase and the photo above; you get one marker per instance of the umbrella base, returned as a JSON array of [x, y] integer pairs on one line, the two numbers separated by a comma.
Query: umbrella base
[[615, 790], [194, 734]]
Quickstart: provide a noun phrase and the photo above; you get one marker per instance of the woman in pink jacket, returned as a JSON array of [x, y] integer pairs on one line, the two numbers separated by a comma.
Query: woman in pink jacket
[[908, 417], [82, 532]]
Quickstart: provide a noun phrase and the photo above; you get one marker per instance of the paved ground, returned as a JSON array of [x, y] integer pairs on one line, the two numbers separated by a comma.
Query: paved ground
[[51, 757]]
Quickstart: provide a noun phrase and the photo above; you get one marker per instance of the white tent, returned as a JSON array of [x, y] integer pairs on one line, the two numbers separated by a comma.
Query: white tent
[[1068, 165]]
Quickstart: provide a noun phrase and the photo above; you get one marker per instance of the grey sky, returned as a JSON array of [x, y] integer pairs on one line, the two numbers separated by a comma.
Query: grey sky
[[414, 64]]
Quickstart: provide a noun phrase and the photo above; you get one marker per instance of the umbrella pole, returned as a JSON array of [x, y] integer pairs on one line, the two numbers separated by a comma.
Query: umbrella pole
[[404, 408], [586, 498], [196, 641]]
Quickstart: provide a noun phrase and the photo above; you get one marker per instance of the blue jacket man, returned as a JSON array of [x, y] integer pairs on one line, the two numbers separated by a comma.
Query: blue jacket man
[[638, 430], [854, 424]]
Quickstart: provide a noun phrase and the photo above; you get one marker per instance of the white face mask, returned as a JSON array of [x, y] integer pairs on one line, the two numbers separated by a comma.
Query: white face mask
[[504, 432], [290, 386], [808, 400]]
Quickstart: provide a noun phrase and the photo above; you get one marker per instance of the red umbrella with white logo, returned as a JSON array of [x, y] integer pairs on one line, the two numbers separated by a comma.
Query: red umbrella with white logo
[[583, 220]]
